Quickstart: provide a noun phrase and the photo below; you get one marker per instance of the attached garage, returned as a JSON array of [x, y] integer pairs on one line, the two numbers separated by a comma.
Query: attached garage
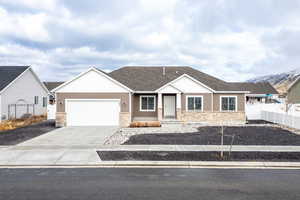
[[93, 98], [92, 112]]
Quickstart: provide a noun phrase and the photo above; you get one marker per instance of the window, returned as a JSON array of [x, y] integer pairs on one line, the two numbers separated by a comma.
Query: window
[[44, 101], [147, 103], [228, 103], [194, 103], [36, 100]]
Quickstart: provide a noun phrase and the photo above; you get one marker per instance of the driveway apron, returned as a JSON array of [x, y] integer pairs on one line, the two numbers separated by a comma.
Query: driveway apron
[[73, 136]]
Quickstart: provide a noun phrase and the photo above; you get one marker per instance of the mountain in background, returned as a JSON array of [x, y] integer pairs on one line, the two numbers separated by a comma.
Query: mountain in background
[[280, 81]]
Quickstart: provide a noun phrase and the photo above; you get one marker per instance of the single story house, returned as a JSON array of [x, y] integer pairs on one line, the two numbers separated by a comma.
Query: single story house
[[260, 92], [51, 107], [183, 94], [293, 92], [50, 86], [21, 92]]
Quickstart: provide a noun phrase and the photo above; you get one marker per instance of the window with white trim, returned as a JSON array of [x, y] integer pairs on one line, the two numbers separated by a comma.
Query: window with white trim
[[228, 103], [147, 103], [194, 103]]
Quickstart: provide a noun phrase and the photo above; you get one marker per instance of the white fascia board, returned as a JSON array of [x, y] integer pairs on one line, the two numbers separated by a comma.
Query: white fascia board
[[144, 92], [18, 77], [170, 86], [233, 92], [185, 75], [83, 73]]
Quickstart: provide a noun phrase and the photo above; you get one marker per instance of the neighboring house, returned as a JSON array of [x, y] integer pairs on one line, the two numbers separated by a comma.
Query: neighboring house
[[260, 92], [129, 94], [21, 92], [50, 86], [51, 107], [293, 93]]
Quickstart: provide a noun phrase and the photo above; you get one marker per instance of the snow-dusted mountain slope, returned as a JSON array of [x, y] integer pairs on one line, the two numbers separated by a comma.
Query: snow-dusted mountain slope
[[279, 81]]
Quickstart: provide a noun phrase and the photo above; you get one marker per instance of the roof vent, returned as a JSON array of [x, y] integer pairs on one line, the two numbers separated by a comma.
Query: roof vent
[[164, 71]]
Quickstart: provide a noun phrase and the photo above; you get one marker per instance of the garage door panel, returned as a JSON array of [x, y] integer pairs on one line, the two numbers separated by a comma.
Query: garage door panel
[[92, 112]]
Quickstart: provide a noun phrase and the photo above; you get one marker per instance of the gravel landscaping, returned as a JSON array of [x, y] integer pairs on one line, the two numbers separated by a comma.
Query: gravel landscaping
[[16, 136], [206, 135], [124, 134], [197, 156]]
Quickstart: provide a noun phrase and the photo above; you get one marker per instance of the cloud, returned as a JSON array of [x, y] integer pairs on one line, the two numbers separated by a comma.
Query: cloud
[[233, 40]]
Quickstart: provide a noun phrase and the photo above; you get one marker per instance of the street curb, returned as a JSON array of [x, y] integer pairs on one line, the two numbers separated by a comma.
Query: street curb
[[170, 164]]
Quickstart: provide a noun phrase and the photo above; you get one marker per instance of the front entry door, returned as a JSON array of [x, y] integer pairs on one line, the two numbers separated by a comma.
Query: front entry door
[[169, 106]]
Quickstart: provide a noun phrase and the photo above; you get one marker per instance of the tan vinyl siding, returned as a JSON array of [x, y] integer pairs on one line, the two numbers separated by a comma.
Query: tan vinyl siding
[[240, 101], [207, 107], [136, 106], [124, 97], [294, 94]]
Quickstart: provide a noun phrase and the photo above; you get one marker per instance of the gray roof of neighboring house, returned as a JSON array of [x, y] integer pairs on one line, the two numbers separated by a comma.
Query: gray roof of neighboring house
[[51, 85], [10, 73], [258, 88], [151, 78]]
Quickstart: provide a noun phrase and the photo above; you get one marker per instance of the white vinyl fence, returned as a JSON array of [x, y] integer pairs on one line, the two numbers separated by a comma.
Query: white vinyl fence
[[253, 111], [51, 110], [286, 119], [275, 113]]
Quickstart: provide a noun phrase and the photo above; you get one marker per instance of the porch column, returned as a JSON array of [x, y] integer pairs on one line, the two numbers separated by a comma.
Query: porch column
[[178, 106], [159, 107]]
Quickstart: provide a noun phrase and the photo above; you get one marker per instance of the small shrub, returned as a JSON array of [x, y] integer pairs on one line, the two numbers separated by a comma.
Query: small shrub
[[144, 124]]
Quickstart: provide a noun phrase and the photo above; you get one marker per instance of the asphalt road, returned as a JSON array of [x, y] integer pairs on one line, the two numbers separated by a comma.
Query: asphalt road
[[161, 184]]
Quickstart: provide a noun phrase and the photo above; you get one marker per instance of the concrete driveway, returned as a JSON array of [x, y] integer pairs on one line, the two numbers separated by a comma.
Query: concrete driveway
[[73, 136]]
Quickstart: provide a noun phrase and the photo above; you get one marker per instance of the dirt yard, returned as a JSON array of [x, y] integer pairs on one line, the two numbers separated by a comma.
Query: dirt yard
[[18, 135], [17, 123], [211, 135], [197, 156]]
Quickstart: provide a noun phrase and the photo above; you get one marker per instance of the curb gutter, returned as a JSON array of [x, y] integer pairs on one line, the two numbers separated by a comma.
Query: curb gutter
[[169, 164]]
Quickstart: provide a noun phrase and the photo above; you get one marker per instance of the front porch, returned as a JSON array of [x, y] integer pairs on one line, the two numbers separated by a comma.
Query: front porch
[[163, 107], [169, 106]]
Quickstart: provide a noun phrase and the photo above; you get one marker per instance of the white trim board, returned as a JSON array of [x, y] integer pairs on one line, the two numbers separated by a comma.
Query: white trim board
[[140, 103], [236, 103], [170, 89], [186, 103], [184, 75], [83, 73]]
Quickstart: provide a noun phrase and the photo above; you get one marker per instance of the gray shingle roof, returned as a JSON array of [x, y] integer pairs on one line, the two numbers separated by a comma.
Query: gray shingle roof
[[257, 88], [51, 85], [151, 78], [10, 73]]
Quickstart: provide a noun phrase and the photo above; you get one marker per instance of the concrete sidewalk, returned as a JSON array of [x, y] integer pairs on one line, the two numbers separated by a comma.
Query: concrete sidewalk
[[49, 157], [162, 148], [89, 158], [87, 155]]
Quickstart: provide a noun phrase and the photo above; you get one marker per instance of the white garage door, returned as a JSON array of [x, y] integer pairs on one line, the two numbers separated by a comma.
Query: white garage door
[[92, 112]]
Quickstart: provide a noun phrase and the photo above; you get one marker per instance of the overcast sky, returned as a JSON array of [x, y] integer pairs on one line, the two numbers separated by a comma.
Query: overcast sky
[[233, 40]]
